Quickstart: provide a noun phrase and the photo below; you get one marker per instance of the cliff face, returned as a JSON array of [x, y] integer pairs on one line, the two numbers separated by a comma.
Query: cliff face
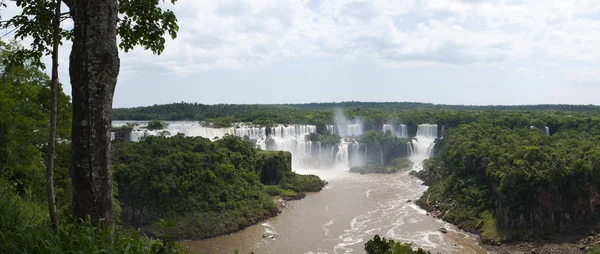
[[272, 166], [552, 210]]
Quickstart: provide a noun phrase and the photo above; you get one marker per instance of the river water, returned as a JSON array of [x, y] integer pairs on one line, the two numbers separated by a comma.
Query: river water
[[341, 218]]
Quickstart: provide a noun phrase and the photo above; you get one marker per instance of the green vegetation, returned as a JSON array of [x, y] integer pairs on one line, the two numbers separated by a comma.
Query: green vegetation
[[384, 148], [203, 188], [510, 182], [399, 164], [24, 227], [374, 114], [593, 250], [24, 221], [155, 125], [379, 245]]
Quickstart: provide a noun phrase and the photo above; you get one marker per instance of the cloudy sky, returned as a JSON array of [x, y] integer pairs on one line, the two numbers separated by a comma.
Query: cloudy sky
[[440, 51]]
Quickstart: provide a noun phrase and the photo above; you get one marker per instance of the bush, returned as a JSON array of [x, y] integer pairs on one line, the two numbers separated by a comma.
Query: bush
[[156, 125], [379, 245], [24, 229]]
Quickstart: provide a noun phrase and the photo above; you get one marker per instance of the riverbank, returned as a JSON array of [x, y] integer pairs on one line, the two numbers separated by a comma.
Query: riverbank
[[574, 241], [199, 226]]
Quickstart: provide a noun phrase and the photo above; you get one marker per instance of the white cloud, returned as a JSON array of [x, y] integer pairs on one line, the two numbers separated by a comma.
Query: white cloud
[[249, 34]]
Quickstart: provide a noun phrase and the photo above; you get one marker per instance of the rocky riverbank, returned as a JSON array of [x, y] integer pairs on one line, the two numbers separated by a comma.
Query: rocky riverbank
[[575, 241]]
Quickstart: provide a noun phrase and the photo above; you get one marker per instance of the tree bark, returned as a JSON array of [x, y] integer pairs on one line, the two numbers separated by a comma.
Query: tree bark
[[94, 67], [53, 115]]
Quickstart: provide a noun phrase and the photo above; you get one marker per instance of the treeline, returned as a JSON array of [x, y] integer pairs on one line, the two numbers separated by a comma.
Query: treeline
[[507, 181], [372, 115], [313, 112], [202, 188]]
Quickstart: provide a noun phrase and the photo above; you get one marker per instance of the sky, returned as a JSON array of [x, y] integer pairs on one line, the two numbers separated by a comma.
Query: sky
[[474, 52]]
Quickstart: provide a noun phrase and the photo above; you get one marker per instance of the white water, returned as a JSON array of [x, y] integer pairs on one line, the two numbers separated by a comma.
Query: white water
[[345, 127], [342, 217], [423, 145], [289, 138], [399, 130]]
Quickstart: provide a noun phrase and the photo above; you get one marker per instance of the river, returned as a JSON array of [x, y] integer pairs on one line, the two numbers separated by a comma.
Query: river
[[341, 218]]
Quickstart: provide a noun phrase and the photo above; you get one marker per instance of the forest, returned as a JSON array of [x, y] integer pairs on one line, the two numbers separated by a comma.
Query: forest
[[508, 181], [202, 188], [322, 113]]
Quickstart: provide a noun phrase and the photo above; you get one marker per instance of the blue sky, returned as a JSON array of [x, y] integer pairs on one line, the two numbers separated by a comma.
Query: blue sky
[[440, 51]]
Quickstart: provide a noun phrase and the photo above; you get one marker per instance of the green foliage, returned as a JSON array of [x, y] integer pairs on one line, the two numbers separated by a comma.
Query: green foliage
[[402, 164], [373, 114], [379, 245], [328, 139], [24, 127], [593, 250], [142, 23], [301, 183], [272, 166], [222, 122], [24, 228], [497, 177], [399, 164], [155, 125], [277, 191], [205, 188]]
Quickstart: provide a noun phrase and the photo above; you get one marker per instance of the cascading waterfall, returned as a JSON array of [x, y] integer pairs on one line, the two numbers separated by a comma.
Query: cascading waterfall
[[341, 157], [289, 138], [305, 154], [422, 145], [547, 130], [346, 129], [397, 130]]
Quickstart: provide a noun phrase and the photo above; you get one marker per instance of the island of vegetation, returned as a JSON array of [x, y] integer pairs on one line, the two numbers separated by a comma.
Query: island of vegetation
[[202, 188], [398, 165]]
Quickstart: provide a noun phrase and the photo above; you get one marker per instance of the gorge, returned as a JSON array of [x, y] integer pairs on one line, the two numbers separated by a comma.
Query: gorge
[[351, 208]]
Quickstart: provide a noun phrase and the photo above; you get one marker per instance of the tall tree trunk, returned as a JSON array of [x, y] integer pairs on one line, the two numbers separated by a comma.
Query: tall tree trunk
[[94, 67], [53, 115]]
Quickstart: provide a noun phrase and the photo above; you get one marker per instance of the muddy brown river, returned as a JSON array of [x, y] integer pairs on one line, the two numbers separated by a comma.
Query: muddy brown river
[[341, 218]]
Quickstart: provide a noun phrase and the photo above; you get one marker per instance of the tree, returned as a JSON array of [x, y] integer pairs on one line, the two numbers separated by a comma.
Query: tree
[[53, 115], [24, 116], [94, 68], [379, 245]]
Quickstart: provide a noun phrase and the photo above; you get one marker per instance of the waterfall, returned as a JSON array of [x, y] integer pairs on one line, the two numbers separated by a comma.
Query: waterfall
[[397, 130], [422, 145], [341, 157], [356, 159], [547, 130], [381, 155], [345, 127], [289, 138]]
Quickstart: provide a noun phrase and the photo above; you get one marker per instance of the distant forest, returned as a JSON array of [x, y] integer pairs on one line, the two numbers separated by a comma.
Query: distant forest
[[319, 112]]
